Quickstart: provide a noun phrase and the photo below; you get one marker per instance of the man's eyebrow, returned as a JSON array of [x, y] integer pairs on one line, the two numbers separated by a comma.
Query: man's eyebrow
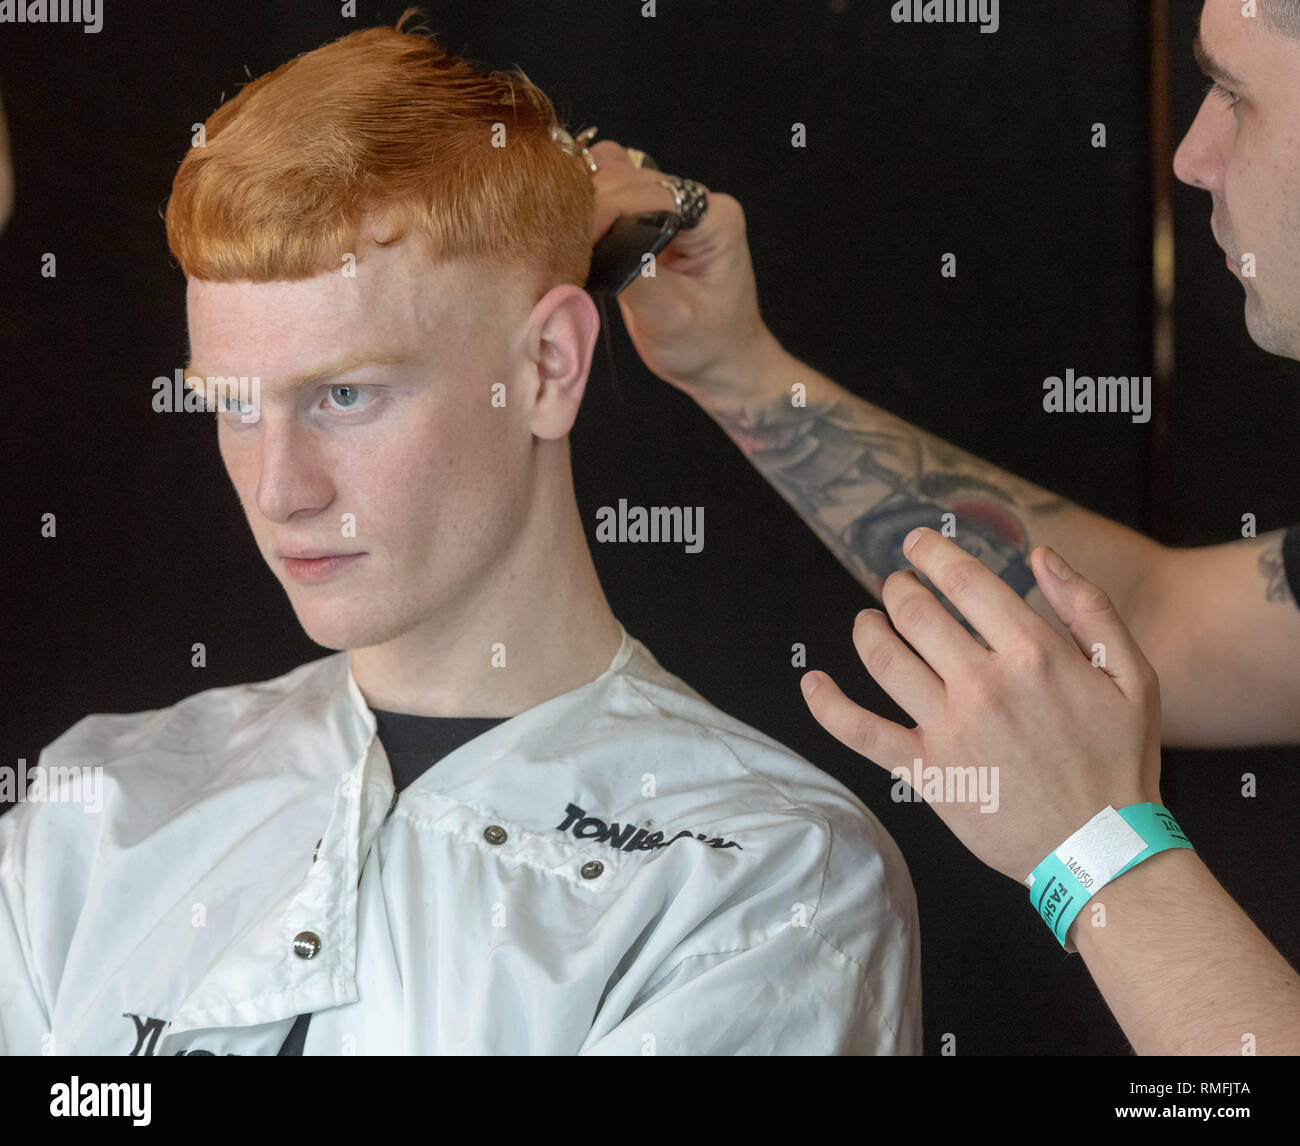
[[353, 361], [1211, 67]]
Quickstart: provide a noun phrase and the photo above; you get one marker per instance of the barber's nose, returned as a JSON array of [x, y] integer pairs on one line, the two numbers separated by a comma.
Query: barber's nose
[[291, 479], [1200, 158]]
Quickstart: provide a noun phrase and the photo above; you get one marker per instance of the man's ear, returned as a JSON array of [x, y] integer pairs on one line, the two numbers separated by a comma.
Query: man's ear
[[561, 339]]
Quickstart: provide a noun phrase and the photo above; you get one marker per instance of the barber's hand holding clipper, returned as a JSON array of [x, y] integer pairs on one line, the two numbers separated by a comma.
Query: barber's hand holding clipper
[[696, 323]]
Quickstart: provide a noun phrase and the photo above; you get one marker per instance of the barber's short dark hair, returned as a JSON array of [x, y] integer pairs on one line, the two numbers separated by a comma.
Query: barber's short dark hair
[[1282, 16]]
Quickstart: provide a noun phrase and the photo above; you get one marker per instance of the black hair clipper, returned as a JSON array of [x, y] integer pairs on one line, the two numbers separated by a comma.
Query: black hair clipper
[[617, 260], [620, 256]]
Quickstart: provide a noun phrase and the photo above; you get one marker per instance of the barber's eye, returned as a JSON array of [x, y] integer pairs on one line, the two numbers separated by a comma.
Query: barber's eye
[[345, 396], [1222, 92]]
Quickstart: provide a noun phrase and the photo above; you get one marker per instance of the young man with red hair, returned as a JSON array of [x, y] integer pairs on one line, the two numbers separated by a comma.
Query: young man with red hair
[[492, 823]]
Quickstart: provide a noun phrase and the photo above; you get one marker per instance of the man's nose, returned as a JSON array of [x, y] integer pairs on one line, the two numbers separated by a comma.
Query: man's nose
[[292, 479], [1199, 160]]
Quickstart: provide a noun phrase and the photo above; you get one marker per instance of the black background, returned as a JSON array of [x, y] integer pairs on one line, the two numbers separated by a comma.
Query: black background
[[921, 140]]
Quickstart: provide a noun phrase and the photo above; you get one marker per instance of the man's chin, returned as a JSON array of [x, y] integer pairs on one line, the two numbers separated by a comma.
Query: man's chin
[[339, 631], [1267, 335], [329, 637]]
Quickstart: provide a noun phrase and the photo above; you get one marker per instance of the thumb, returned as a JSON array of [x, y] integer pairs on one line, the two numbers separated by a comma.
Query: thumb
[[1093, 621]]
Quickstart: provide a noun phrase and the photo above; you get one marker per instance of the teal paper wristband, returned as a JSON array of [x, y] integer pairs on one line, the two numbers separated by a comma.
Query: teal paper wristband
[[1107, 846], [1155, 824]]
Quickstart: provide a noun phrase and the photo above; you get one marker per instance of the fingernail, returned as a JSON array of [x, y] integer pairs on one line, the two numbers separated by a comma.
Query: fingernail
[[1056, 564], [809, 682], [864, 613], [912, 538]]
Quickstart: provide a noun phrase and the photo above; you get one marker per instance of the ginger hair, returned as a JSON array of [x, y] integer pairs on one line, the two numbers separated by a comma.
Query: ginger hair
[[386, 128]]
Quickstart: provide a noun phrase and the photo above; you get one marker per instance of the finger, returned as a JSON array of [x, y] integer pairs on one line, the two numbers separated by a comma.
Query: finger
[[623, 188], [632, 196], [909, 681], [611, 153], [881, 741], [996, 611], [928, 627], [1093, 621]]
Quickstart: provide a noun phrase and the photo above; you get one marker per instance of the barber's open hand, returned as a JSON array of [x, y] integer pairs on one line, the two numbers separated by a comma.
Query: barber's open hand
[[697, 319], [1067, 737]]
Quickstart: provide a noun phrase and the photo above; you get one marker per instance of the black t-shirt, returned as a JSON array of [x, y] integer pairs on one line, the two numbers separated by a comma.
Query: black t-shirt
[[1291, 561], [413, 745]]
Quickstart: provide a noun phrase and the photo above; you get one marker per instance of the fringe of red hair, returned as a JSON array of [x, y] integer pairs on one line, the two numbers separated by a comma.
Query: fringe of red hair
[[382, 125]]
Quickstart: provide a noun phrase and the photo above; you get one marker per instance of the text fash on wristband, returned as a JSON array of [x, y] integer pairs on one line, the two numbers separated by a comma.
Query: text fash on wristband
[[1103, 849]]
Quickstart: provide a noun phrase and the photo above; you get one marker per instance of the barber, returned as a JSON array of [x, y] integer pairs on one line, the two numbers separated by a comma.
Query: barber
[[1058, 694]]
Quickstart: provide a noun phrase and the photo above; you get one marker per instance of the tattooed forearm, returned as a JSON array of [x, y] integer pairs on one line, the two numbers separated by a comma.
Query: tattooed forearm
[[1273, 569], [864, 481]]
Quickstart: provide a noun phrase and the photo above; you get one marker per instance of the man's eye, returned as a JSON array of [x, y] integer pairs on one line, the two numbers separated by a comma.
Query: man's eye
[[346, 397], [1223, 93]]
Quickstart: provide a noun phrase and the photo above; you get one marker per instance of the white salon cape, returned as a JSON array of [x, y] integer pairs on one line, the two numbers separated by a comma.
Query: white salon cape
[[762, 909]]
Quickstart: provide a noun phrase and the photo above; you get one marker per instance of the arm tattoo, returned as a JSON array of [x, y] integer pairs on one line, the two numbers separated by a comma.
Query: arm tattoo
[[863, 489], [1273, 569]]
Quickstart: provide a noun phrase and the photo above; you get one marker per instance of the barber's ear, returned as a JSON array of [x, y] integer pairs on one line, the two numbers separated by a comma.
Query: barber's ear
[[563, 331]]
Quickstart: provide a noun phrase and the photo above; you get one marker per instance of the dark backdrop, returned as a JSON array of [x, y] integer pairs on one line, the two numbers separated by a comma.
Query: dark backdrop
[[921, 140]]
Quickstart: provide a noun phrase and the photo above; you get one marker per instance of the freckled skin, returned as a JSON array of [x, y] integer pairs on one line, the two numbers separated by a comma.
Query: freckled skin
[[1247, 156]]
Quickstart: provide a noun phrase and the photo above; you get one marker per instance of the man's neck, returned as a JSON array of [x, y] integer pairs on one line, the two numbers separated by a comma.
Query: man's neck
[[537, 628]]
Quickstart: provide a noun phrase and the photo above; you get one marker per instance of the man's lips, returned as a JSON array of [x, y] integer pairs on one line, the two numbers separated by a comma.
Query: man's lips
[[311, 565], [1233, 264]]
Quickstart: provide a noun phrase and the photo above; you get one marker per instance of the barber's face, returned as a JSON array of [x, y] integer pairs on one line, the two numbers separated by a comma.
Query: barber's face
[[409, 467], [1244, 149]]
